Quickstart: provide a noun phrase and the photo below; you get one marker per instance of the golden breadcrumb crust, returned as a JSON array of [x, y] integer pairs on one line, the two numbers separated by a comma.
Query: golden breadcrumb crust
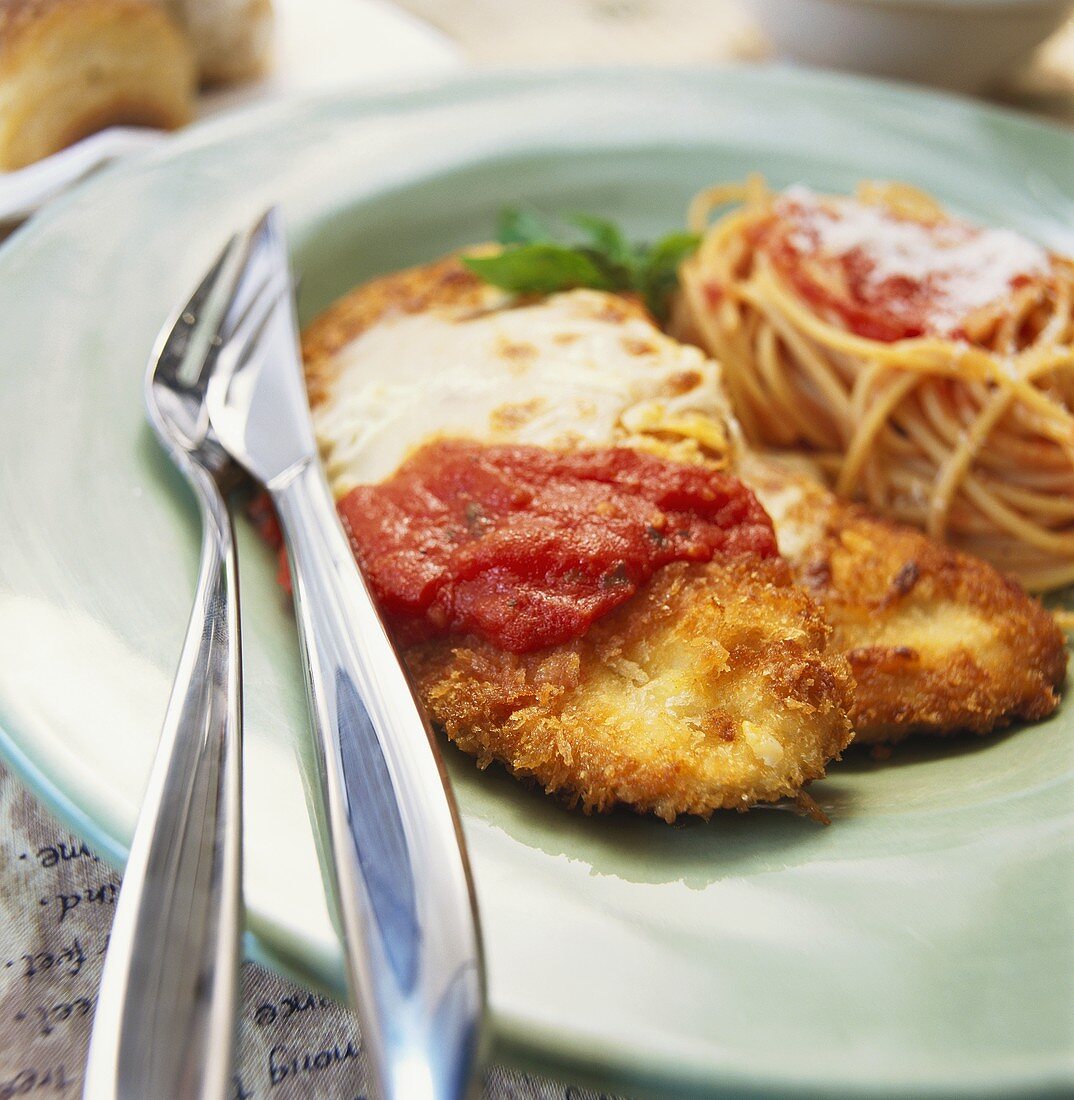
[[938, 641], [712, 688]]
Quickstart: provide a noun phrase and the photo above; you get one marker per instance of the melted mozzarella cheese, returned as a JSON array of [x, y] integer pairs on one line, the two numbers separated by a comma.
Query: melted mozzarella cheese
[[576, 369]]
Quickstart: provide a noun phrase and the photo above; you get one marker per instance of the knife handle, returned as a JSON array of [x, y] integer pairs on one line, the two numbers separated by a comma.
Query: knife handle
[[165, 1014], [404, 895]]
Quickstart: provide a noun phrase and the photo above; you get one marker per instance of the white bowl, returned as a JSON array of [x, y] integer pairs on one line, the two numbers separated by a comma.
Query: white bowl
[[960, 44]]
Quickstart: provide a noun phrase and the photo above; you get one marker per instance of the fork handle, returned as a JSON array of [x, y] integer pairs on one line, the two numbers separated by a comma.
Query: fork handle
[[403, 892], [165, 1014]]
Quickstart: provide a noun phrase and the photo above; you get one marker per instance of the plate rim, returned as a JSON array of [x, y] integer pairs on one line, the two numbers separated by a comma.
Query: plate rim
[[451, 88]]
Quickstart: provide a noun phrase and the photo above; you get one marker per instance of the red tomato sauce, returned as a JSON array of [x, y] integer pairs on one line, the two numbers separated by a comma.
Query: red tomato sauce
[[895, 309], [891, 278], [527, 547]]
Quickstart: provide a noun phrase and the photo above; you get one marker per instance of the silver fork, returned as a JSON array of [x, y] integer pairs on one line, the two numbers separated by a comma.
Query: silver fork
[[165, 1014]]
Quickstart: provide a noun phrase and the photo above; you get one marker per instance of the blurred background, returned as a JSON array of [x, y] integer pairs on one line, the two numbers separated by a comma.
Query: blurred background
[[70, 67]]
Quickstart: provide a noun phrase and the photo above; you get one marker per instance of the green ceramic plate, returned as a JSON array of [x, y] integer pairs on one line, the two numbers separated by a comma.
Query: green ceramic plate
[[922, 942]]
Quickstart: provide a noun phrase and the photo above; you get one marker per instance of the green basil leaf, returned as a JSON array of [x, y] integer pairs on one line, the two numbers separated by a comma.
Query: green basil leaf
[[533, 262], [670, 251], [660, 273], [518, 226], [541, 268], [616, 276], [605, 237]]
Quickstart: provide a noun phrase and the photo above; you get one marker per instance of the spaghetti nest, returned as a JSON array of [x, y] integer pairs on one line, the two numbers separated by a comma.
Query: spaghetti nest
[[925, 364]]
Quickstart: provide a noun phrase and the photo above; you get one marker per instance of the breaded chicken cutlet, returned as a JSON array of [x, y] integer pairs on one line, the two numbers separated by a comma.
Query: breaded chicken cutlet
[[938, 641], [715, 685], [711, 688]]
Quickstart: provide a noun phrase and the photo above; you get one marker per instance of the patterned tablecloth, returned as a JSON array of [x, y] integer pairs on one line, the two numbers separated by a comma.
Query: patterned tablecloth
[[56, 897], [56, 904]]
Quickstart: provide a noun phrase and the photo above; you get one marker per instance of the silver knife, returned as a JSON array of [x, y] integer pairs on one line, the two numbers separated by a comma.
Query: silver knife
[[403, 890]]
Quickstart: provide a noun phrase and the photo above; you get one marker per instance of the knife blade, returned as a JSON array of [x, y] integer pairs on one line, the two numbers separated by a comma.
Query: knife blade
[[403, 889]]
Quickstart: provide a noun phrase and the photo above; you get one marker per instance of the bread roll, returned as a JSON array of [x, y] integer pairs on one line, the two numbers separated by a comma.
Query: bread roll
[[71, 67], [232, 38]]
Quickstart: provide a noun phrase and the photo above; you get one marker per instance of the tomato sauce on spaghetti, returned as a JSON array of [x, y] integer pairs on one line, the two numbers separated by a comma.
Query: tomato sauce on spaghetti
[[887, 277]]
